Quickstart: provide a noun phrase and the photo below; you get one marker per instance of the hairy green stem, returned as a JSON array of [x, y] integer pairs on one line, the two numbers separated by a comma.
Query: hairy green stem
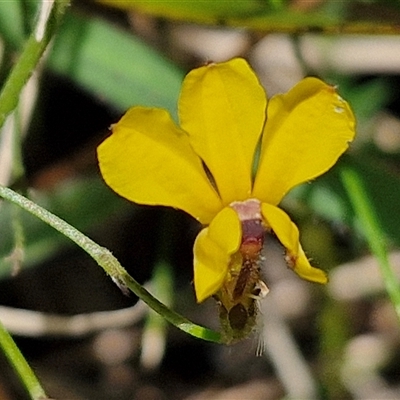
[[110, 265], [34, 48], [373, 232]]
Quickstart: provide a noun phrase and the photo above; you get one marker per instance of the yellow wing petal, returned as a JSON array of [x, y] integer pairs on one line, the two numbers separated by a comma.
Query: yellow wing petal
[[307, 130], [213, 249], [149, 160], [222, 107], [288, 234]]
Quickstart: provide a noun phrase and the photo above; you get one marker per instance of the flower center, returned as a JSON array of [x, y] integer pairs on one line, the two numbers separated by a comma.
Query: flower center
[[253, 231], [243, 287]]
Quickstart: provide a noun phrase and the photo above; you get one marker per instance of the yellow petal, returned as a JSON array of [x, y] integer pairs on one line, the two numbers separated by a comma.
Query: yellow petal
[[222, 107], [307, 130], [213, 249], [149, 160], [288, 234]]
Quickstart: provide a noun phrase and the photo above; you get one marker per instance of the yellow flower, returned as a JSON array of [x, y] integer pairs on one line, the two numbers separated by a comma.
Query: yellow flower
[[204, 167]]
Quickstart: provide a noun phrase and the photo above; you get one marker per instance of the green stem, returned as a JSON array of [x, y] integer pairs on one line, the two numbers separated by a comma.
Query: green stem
[[19, 363], [373, 232], [110, 265], [49, 17], [30, 56]]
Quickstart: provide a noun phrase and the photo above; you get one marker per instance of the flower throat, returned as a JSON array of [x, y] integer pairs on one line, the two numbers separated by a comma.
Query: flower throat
[[243, 287]]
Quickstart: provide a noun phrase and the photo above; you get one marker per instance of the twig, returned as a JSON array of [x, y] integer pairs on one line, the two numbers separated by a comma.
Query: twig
[[283, 352], [38, 324]]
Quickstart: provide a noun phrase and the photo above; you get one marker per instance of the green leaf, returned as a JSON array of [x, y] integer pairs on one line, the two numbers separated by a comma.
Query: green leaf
[[16, 18], [383, 190], [205, 11], [114, 65], [372, 230], [328, 197], [329, 16]]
